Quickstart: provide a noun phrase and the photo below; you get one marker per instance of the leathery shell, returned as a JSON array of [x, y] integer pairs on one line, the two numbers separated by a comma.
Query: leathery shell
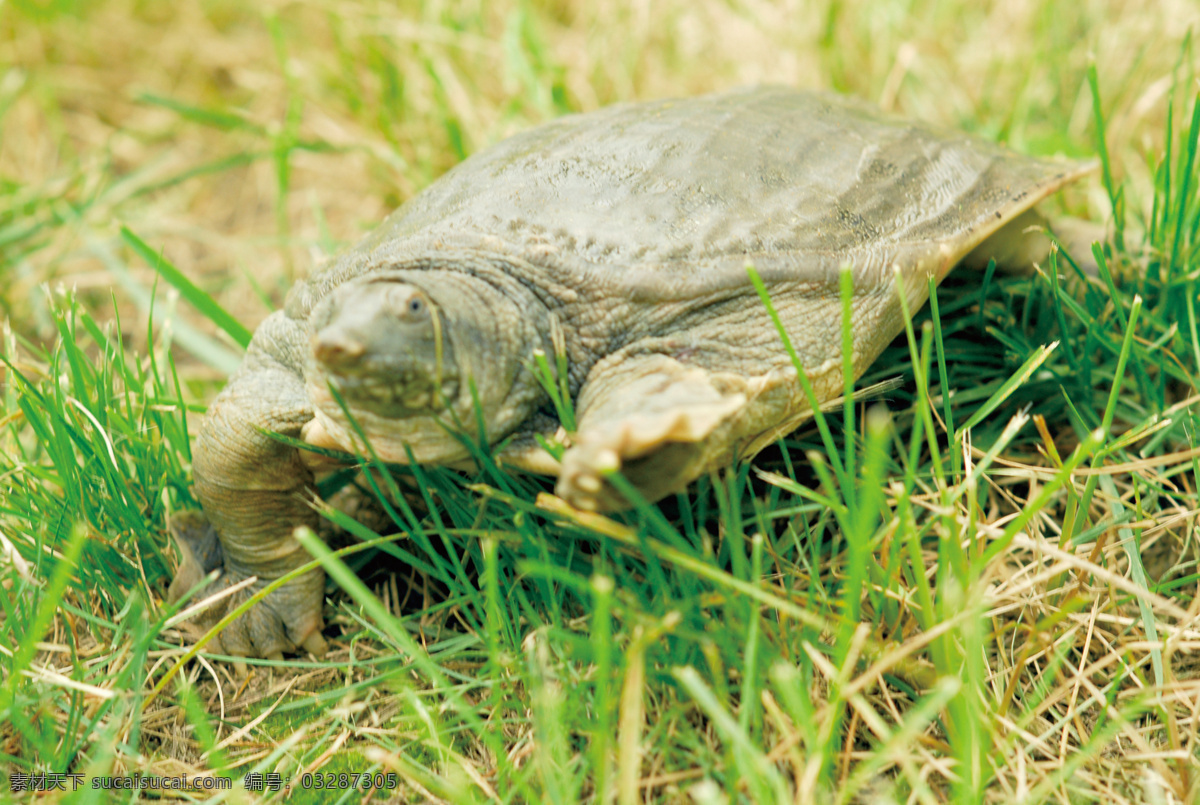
[[670, 199]]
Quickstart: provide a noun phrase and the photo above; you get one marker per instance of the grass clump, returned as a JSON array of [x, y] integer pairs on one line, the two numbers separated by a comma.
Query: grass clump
[[979, 589]]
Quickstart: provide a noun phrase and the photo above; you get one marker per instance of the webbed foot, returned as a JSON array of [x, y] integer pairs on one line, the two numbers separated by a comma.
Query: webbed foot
[[653, 419]]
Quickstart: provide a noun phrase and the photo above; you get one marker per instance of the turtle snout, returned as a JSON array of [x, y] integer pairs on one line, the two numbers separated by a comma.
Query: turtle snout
[[338, 349]]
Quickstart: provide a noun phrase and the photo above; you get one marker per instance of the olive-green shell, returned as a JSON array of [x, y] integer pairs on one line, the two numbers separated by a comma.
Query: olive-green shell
[[672, 198]]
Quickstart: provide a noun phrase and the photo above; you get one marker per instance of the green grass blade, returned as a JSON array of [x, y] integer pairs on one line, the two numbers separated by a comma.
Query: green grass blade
[[198, 298]]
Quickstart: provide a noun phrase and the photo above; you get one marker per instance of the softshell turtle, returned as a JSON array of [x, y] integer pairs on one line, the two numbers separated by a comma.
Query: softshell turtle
[[620, 237]]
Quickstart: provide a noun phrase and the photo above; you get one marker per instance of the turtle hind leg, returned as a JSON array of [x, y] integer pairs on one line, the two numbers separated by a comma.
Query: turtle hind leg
[[662, 422], [1076, 236], [1023, 241]]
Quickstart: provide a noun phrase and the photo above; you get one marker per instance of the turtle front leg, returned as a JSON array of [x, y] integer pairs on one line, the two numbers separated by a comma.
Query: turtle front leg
[[659, 421], [255, 491]]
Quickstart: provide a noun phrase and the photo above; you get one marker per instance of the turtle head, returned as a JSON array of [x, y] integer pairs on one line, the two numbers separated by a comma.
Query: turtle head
[[380, 344], [402, 349]]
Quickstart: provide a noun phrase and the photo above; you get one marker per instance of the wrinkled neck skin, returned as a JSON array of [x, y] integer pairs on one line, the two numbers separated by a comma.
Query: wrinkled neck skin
[[483, 327]]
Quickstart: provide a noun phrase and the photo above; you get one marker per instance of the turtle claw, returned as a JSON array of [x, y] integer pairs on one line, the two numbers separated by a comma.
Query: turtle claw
[[214, 646], [581, 480], [315, 644]]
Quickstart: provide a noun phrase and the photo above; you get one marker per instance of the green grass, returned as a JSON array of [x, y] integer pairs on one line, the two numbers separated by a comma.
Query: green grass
[[978, 588]]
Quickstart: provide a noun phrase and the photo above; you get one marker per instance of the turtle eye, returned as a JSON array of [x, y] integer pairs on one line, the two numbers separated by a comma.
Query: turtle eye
[[409, 304]]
